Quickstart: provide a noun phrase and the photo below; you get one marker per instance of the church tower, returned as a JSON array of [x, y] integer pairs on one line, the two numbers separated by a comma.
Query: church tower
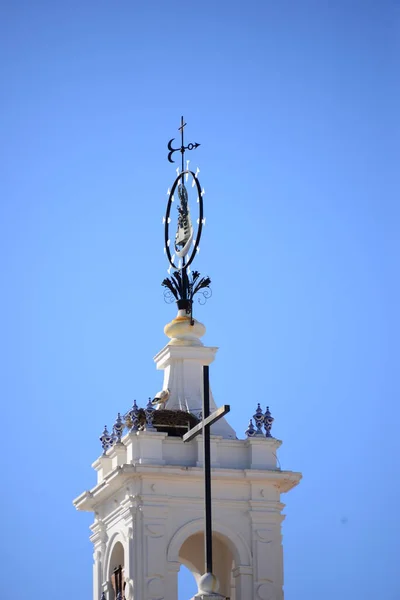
[[175, 484]]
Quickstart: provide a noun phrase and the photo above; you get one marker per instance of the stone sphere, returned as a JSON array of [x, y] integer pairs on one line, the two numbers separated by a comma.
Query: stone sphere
[[208, 583]]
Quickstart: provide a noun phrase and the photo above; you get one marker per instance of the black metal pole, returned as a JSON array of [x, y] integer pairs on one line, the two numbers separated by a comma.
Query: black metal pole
[[182, 147], [207, 473]]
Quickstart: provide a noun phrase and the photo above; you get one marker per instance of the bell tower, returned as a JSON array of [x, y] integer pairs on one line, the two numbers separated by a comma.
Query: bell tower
[[175, 484]]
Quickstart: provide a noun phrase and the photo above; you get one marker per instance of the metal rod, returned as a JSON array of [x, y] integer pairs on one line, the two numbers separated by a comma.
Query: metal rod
[[182, 146], [207, 474]]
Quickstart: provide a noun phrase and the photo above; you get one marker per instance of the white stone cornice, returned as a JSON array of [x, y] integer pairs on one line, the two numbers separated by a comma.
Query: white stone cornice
[[283, 481], [169, 353], [82, 499], [270, 442]]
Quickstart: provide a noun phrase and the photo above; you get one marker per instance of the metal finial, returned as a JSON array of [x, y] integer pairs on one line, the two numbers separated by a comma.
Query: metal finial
[[268, 420], [118, 429], [182, 250], [183, 147], [250, 431], [259, 420], [149, 413], [106, 440]]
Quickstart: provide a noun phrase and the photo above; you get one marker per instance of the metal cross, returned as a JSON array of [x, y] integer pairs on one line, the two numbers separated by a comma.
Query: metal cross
[[181, 128], [182, 148], [204, 428]]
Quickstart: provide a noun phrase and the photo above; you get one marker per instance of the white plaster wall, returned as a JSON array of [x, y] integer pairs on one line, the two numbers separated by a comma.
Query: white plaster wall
[[154, 503], [157, 448]]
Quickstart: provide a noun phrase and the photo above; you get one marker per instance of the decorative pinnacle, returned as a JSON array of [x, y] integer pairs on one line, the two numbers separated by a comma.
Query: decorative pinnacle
[[182, 148], [184, 248], [132, 417], [106, 440], [259, 419], [268, 420], [149, 413], [118, 429], [250, 431]]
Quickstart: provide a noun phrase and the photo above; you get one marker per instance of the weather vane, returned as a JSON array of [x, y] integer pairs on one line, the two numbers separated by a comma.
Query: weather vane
[[182, 251], [183, 147]]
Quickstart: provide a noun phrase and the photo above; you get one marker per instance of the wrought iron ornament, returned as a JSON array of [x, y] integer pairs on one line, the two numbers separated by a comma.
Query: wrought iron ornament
[[182, 251], [183, 147]]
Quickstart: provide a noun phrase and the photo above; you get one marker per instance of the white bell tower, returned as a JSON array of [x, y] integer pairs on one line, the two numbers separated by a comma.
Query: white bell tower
[[148, 502]]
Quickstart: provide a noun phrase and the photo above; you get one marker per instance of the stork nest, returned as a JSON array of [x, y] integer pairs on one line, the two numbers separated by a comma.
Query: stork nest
[[174, 418], [173, 422]]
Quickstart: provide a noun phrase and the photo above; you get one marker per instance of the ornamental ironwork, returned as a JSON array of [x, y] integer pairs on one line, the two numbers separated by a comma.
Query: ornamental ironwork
[[182, 246]]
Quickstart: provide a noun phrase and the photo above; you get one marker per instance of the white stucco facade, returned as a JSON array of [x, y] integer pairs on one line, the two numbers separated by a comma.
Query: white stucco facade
[[148, 502]]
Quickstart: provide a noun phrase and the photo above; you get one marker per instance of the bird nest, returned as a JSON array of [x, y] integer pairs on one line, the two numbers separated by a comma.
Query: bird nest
[[167, 420], [173, 422]]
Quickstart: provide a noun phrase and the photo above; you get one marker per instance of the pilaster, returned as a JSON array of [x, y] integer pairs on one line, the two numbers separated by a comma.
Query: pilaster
[[266, 520], [262, 452], [154, 541], [214, 447], [97, 578], [171, 580], [243, 578], [99, 539], [103, 466], [117, 455], [132, 447], [151, 448]]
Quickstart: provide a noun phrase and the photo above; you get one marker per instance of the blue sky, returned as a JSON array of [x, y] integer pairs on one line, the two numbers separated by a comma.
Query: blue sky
[[296, 108]]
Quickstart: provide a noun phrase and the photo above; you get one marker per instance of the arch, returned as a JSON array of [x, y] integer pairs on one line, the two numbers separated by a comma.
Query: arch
[[191, 555], [186, 581], [117, 558], [237, 545], [116, 538]]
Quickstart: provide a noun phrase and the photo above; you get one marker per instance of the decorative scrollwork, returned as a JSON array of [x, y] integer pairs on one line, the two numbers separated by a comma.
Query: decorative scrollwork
[[204, 296], [180, 286], [169, 297]]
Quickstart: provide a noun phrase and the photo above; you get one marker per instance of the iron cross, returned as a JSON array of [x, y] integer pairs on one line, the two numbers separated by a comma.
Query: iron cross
[[182, 148], [204, 428]]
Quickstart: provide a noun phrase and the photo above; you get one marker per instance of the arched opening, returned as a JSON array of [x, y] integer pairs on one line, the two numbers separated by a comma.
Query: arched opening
[[116, 574], [187, 586], [191, 555]]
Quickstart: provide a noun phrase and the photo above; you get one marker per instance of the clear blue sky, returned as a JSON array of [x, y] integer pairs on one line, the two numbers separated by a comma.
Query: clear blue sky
[[296, 106]]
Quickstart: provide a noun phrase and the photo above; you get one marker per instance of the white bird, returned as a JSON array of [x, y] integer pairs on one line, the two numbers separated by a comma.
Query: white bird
[[161, 399]]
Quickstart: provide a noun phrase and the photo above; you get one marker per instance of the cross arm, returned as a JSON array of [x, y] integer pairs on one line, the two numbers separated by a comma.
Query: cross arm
[[215, 416]]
